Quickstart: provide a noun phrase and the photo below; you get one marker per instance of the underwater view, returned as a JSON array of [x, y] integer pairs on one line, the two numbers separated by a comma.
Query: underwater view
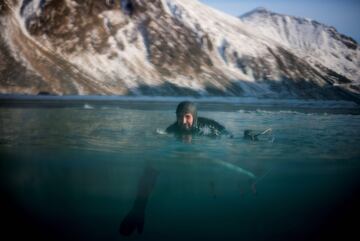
[[95, 171]]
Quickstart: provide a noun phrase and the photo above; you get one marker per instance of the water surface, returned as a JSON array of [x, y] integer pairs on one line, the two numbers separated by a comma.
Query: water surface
[[89, 172]]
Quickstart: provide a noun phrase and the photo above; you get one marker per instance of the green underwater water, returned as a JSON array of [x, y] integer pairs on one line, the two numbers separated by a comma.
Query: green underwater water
[[91, 172]]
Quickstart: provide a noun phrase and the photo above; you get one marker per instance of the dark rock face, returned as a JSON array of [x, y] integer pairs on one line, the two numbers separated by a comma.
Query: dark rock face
[[62, 25], [127, 6], [4, 8]]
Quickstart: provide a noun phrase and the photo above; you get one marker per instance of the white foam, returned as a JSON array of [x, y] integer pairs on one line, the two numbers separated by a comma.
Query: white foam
[[87, 106], [161, 131]]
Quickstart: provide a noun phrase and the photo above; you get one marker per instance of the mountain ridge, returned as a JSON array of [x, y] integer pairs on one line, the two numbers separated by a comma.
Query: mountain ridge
[[158, 47], [309, 39]]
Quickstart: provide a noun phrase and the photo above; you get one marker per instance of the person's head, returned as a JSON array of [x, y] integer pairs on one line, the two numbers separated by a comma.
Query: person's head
[[186, 115]]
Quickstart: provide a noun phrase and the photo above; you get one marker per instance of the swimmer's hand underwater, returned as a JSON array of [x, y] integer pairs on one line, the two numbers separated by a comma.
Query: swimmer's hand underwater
[[134, 220]]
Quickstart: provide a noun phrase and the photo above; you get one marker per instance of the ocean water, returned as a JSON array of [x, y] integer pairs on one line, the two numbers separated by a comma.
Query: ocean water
[[109, 172]]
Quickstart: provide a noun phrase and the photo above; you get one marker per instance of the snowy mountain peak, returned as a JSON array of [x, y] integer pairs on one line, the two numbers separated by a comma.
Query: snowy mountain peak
[[261, 12], [256, 11], [316, 42]]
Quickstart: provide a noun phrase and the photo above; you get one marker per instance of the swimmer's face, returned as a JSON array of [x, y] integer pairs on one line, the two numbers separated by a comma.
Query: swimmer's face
[[185, 121]]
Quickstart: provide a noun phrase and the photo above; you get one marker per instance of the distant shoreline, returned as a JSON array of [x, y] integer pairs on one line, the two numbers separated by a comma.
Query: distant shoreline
[[162, 102]]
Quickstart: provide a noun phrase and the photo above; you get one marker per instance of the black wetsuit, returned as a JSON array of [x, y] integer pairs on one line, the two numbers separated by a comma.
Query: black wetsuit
[[203, 127]]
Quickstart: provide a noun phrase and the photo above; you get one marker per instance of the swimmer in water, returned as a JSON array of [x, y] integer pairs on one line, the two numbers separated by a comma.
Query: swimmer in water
[[188, 123]]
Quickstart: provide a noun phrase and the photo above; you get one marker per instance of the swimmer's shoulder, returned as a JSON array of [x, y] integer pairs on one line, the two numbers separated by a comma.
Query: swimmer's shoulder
[[172, 128], [202, 121]]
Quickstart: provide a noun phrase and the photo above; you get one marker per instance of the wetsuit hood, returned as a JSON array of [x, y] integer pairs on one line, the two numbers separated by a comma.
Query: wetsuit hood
[[187, 107]]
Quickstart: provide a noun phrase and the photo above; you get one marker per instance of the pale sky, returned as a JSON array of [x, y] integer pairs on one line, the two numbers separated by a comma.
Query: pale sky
[[344, 15]]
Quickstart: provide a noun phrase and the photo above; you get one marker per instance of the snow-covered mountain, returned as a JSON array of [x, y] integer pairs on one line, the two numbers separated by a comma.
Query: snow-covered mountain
[[317, 43], [168, 47]]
